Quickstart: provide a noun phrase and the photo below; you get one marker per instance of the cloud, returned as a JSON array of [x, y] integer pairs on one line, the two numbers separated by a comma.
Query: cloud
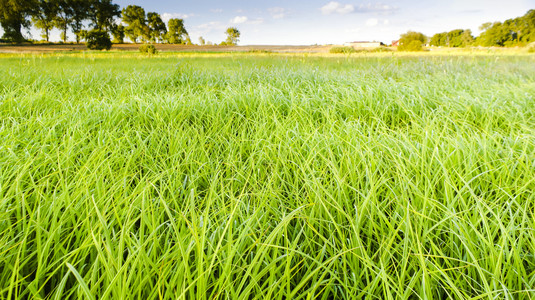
[[338, 8], [256, 21], [167, 16], [217, 10], [278, 12], [372, 22], [375, 8], [208, 27], [342, 9], [239, 20], [386, 22]]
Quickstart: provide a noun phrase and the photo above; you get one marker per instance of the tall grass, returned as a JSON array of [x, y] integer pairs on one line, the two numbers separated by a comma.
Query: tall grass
[[276, 177]]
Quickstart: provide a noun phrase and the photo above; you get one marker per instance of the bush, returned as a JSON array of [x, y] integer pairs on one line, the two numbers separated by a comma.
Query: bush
[[414, 45], [98, 40], [342, 50], [149, 49]]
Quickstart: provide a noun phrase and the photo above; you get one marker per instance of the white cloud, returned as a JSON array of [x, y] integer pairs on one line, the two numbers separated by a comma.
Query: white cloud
[[208, 27], [278, 12], [167, 16], [217, 10], [386, 22], [239, 20], [337, 7], [256, 21], [372, 22], [377, 8]]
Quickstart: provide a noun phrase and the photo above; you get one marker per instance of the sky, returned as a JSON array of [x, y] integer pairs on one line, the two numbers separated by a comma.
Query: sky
[[308, 22]]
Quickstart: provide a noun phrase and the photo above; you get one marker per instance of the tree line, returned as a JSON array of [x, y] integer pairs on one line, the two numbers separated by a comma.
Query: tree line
[[94, 18], [513, 32], [519, 31]]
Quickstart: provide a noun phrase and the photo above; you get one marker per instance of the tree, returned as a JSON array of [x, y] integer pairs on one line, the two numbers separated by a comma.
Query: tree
[[412, 41], [202, 42], [134, 17], [98, 40], [176, 31], [438, 39], [63, 17], [467, 39], [118, 34], [157, 28], [233, 36], [43, 15], [79, 10], [14, 16], [102, 14]]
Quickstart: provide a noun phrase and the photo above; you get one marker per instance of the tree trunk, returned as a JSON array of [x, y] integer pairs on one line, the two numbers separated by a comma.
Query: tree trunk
[[65, 33]]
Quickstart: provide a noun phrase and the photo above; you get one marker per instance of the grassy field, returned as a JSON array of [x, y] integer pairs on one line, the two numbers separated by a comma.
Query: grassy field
[[267, 177]]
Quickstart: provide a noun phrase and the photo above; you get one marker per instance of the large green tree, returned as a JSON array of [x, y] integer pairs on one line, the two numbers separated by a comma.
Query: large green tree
[[63, 17], [176, 31], [412, 41], [79, 10], [14, 16], [512, 32], [134, 17], [102, 14], [43, 15], [233, 36], [157, 28]]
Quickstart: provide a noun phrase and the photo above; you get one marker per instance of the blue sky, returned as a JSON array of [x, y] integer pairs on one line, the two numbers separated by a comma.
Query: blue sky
[[293, 22]]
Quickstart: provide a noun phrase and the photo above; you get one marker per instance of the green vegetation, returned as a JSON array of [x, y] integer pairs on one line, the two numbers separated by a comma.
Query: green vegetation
[[267, 177], [342, 50], [412, 41], [454, 38], [98, 40], [512, 32], [233, 36], [148, 49]]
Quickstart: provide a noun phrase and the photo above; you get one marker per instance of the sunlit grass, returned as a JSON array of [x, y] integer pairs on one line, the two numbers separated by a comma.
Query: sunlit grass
[[271, 177]]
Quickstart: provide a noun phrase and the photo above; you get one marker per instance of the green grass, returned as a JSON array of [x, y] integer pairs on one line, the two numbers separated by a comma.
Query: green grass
[[267, 177]]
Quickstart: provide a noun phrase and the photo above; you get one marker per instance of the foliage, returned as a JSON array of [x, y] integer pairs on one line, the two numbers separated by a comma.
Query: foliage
[[512, 32], [233, 36], [176, 31], [267, 177], [148, 49], [43, 16], [202, 41], [118, 33], [102, 14], [98, 40], [13, 17], [134, 17], [78, 10], [412, 41], [342, 50], [157, 28], [454, 38]]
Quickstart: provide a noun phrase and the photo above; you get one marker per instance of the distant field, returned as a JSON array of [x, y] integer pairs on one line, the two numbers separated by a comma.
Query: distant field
[[163, 47], [317, 49], [246, 176]]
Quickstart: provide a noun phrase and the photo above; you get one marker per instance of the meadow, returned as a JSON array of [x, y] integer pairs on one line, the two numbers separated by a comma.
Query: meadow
[[247, 176]]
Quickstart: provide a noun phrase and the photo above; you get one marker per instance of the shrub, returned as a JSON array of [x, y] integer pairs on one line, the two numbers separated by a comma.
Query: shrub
[[414, 45], [342, 50], [149, 49], [98, 40]]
